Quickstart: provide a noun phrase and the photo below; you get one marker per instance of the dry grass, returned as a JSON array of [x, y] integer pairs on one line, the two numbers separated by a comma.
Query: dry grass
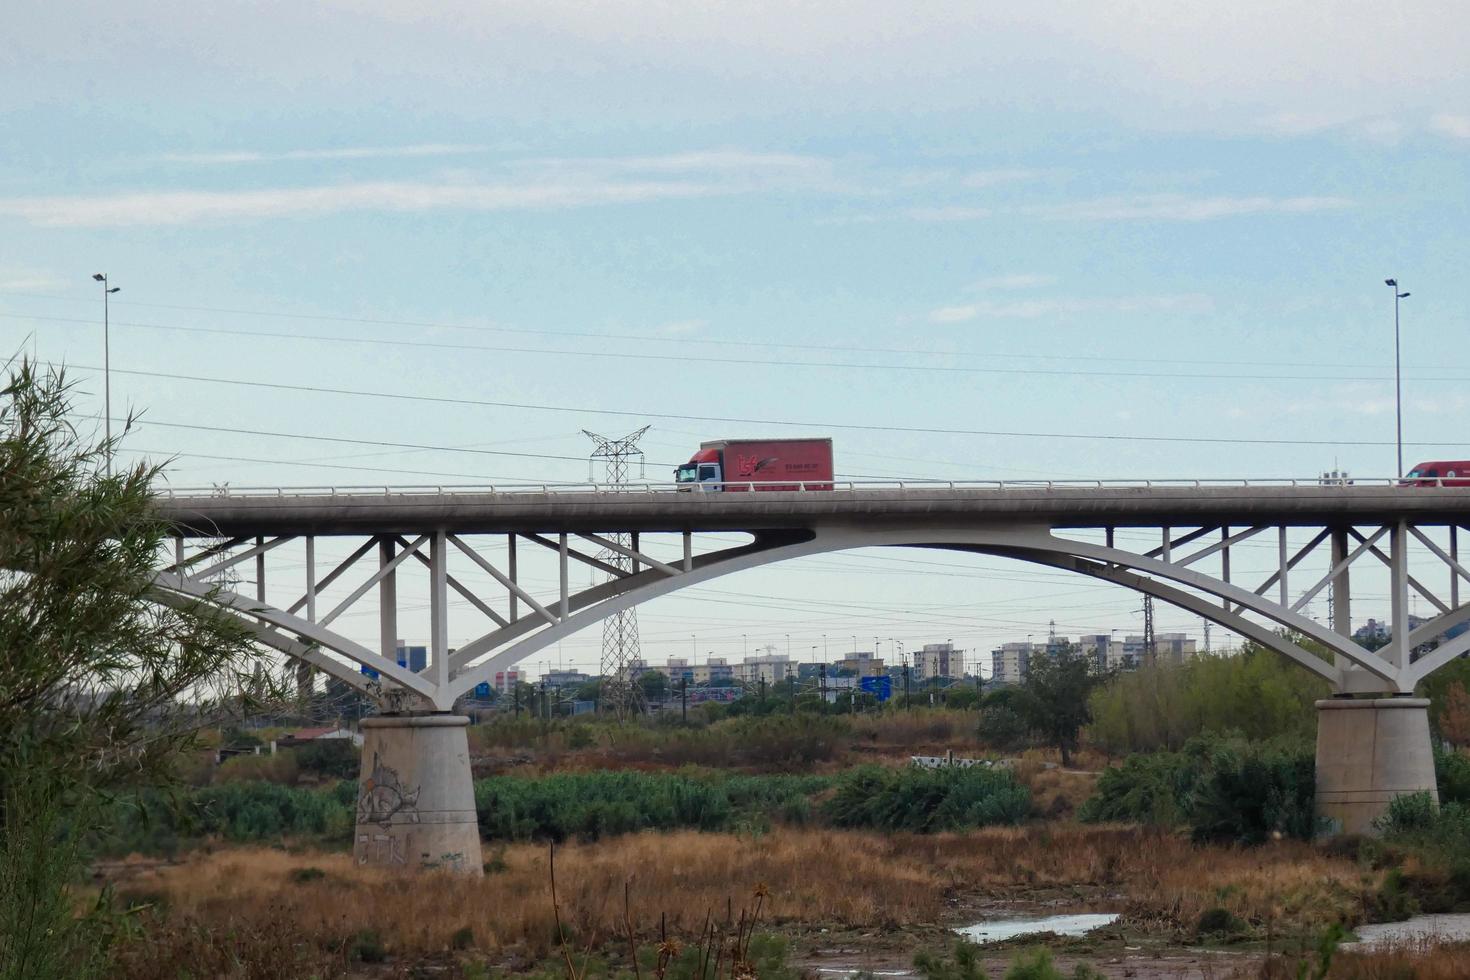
[[837, 879], [1413, 962]]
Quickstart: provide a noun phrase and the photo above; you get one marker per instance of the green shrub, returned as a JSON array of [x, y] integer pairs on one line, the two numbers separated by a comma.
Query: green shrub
[[1452, 774], [963, 965], [242, 812], [279, 768], [1002, 727], [592, 805], [367, 947], [1406, 813], [1256, 693], [1223, 789], [927, 800], [328, 758], [1152, 789]]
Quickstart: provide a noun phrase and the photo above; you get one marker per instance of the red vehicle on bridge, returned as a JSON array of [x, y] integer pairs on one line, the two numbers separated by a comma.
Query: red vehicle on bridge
[[758, 464], [1439, 473]]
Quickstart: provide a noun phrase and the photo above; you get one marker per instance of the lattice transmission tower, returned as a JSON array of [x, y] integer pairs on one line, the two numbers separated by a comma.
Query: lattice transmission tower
[[621, 693]]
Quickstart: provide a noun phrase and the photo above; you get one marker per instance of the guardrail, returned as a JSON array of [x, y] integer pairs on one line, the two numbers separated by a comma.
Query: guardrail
[[823, 486]]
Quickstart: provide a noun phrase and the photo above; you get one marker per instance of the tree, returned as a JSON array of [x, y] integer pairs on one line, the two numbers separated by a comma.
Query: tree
[[655, 685], [1054, 698], [1454, 715], [106, 679]]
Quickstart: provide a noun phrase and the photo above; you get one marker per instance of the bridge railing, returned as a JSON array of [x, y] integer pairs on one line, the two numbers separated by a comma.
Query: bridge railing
[[822, 486]]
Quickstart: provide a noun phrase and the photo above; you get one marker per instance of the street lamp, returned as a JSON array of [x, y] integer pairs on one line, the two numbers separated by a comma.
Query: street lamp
[[1398, 384], [107, 291]]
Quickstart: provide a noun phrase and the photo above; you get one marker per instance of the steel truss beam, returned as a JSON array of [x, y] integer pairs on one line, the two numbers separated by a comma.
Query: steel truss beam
[[1168, 571]]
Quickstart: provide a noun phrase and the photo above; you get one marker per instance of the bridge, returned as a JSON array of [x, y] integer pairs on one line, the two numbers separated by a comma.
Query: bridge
[[1173, 540]]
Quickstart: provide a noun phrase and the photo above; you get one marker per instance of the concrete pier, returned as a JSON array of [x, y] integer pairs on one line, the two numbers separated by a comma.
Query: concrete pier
[[415, 798], [1369, 751]]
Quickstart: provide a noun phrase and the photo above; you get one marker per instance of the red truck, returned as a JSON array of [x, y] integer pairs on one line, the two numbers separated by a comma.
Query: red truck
[[758, 464], [1438, 473]]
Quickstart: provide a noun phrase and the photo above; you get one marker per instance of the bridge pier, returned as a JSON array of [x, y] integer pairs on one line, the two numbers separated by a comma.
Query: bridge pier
[[415, 798], [1370, 750]]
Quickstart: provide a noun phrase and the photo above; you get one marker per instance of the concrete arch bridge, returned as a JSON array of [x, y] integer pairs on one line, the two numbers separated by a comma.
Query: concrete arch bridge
[[509, 564]]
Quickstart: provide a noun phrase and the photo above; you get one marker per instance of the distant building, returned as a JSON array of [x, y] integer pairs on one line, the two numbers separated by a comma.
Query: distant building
[[938, 660], [565, 678], [1103, 649], [1010, 662], [415, 658], [1175, 647], [1372, 632], [715, 671], [773, 668], [506, 680], [862, 664]]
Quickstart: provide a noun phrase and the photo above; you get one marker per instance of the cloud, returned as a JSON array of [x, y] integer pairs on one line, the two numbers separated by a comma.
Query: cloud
[[193, 207], [342, 153], [680, 328], [992, 178], [691, 162], [1034, 308], [21, 280], [1179, 207], [948, 213], [1013, 281], [1448, 124], [521, 185]]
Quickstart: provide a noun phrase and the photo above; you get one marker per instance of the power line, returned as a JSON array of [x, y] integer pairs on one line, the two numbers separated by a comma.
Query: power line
[[758, 362], [707, 341], [840, 426]]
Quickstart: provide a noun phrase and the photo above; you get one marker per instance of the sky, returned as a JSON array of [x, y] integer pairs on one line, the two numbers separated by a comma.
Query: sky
[[1072, 241]]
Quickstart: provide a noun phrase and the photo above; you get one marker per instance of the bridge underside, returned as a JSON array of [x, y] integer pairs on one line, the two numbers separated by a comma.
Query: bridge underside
[[513, 614], [512, 595]]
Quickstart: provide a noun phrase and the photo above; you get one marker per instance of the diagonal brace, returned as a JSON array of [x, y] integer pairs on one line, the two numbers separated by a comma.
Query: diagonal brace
[[377, 577], [505, 580], [458, 586]]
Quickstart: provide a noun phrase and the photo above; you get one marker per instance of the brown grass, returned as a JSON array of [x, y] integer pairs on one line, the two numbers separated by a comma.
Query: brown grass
[[816, 878], [1449, 961]]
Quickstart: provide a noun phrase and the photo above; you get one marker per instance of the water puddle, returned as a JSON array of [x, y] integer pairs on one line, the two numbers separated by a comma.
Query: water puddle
[[1419, 929], [995, 930]]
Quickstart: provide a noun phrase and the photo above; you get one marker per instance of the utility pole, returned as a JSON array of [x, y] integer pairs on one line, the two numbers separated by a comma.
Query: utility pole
[[1207, 636], [1149, 650], [107, 291], [906, 702], [620, 648], [684, 698], [822, 673], [1398, 384]]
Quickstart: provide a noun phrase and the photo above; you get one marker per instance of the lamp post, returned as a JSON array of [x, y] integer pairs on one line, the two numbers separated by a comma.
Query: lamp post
[[107, 292], [1398, 384]]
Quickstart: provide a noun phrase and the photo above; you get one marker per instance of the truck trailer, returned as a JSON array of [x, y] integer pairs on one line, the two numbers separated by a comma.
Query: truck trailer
[[739, 465]]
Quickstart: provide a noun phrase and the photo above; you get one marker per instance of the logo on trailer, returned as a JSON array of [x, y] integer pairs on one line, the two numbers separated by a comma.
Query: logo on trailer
[[751, 465]]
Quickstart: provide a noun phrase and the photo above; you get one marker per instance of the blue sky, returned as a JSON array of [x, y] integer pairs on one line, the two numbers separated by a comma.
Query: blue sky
[[1132, 236]]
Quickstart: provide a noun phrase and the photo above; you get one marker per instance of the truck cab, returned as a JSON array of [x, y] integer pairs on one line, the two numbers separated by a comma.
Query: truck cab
[[703, 472]]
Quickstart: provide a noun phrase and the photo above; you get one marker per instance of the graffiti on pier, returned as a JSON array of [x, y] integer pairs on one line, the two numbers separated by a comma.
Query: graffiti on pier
[[382, 798], [380, 849]]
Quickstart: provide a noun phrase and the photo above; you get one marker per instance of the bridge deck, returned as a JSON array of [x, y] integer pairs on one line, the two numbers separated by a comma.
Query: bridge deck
[[468, 510]]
